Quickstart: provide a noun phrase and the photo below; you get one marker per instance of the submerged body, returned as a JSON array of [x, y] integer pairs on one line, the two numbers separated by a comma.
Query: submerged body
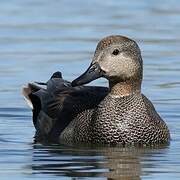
[[118, 120], [121, 114]]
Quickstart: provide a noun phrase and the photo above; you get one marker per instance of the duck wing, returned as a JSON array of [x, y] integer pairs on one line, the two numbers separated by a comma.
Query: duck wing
[[57, 103]]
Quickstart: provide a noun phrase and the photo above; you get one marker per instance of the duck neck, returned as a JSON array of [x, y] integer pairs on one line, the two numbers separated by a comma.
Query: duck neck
[[125, 88]]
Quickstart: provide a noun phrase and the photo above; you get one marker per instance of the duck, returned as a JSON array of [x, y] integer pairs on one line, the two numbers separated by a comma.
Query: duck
[[74, 112]]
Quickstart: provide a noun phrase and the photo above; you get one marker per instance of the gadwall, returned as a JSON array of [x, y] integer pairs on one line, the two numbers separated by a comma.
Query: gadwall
[[72, 113]]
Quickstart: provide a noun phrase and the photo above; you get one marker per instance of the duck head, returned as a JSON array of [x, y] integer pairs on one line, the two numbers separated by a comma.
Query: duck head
[[118, 59]]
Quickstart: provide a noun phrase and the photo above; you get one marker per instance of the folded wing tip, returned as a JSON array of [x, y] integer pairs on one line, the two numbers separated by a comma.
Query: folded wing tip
[[26, 90]]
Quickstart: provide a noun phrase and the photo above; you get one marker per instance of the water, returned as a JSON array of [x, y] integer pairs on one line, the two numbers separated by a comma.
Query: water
[[39, 37]]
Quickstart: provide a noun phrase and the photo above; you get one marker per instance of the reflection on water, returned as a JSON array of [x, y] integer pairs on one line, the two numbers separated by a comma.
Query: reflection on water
[[39, 37], [111, 162]]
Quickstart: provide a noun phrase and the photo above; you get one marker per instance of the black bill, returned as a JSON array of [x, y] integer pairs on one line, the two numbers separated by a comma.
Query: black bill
[[92, 73]]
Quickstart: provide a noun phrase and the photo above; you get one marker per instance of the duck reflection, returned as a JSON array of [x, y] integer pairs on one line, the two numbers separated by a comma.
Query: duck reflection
[[107, 162]]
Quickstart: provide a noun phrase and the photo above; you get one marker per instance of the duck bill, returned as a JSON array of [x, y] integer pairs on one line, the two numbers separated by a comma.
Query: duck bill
[[93, 72]]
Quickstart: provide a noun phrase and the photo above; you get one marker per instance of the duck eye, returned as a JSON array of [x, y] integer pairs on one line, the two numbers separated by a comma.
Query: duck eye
[[115, 52]]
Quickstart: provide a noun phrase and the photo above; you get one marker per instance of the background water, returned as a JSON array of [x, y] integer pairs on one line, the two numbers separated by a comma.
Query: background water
[[39, 37]]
